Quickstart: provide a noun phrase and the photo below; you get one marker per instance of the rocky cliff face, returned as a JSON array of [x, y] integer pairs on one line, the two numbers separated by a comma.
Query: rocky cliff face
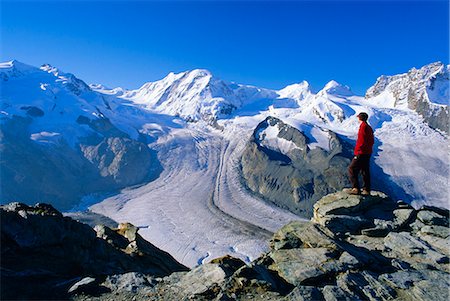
[[43, 253], [425, 90], [288, 168]]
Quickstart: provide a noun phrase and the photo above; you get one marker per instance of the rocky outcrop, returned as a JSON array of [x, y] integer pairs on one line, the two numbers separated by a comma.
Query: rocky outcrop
[[397, 253], [44, 254], [354, 248], [281, 164]]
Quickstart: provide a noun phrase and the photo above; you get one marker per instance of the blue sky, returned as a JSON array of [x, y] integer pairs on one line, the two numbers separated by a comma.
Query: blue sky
[[263, 43]]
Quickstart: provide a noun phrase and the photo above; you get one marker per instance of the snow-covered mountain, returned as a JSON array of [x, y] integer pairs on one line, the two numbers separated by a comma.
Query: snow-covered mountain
[[425, 90], [195, 95], [63, 140]]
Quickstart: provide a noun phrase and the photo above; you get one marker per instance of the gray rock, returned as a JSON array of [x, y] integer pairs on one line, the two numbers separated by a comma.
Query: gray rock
[[304, 293], [228, 263], [442, 245], [305, 266], [432, 218], [365, 285], [419, 285], [428, 290], [126, 161], [406, 279], [302, 234], [438, 231], [372, 243], [379, 231], [201, 279], [417, 225], [403, 217], [410, 248], [335, 293], [342, 203], [341, 224], [257, 276], [342, 212], [131, 282]]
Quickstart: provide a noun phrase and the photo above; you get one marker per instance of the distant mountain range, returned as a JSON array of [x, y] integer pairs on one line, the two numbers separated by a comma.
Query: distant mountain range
[[73, 145]]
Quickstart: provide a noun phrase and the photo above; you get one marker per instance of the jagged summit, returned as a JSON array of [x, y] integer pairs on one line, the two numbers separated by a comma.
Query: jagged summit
[[425, 90]]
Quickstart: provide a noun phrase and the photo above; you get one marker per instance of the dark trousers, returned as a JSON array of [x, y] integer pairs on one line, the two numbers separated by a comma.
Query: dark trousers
[[359, 164]]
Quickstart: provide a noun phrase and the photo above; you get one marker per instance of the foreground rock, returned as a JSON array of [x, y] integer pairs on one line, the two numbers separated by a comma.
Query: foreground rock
[[45, 255], [354, 248]]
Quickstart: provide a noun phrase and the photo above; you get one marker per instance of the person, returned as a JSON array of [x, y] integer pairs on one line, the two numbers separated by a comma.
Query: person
[[361, 159]]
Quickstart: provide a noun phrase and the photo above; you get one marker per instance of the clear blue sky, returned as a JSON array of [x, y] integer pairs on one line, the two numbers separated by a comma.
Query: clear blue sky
[[268, 44]]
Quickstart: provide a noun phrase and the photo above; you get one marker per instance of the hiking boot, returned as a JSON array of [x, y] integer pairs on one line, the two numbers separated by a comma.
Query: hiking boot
[[354, 191], [365, 192]]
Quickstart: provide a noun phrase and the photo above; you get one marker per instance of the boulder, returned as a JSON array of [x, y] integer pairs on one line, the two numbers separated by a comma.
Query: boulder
[[365, 285], [131, 282], [403, 216], [342, 212], [432, 218], [304, 293], [335, 293], [409, 248], [438, 231], [302, 234], [309, 266]]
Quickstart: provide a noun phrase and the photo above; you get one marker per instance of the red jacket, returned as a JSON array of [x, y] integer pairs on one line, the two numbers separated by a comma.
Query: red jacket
[[365, 140]]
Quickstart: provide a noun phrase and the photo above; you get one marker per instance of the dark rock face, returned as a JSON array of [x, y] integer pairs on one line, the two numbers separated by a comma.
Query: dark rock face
[[297, 178], [62, 174], [43, 253]]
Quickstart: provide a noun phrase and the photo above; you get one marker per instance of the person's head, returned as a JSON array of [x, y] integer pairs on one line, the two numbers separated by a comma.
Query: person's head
[[363, 116]]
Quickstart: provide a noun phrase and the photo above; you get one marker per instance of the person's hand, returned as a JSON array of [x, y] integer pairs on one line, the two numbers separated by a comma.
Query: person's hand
[[356, 157]]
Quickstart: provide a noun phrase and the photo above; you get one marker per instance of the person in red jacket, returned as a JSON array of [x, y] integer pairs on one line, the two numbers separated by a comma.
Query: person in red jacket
[[361, 160]]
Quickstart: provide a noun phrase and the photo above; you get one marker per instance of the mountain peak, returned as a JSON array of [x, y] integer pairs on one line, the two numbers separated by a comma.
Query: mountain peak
[[335, 88], [16, 65], [199, 72], [296, 91]]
